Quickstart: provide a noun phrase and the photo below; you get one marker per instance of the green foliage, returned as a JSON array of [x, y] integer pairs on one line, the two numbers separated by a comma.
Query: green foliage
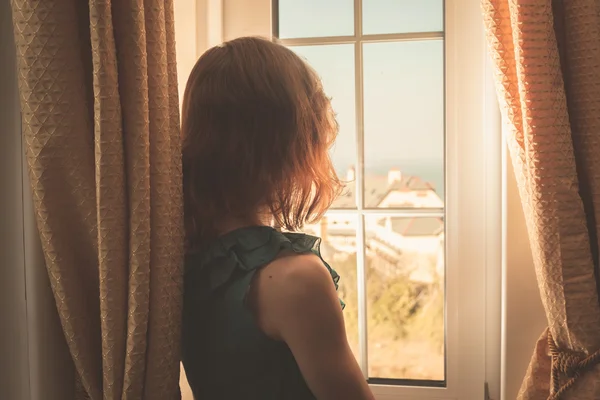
[[392, 302], [348, 293], [397, 307], [428, 323]]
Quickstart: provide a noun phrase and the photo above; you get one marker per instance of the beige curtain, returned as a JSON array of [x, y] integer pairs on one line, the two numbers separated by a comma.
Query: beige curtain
[[101, 127], [547, 58]]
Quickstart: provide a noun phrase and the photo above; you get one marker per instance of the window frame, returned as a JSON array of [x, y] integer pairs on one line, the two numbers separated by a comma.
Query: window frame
[[360, 211], [473, 206]]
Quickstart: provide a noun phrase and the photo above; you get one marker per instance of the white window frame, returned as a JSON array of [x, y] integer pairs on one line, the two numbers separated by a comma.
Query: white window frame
[[361, 211], [473, 212]]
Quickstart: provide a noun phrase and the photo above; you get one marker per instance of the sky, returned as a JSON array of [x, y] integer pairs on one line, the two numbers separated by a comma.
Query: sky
[[403, 81]]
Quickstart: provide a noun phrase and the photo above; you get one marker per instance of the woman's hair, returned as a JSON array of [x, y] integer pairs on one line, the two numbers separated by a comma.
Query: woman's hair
[[257, 127]]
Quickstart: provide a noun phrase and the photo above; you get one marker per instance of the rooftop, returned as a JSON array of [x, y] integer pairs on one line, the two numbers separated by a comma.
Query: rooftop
[[377, 188], [414, 227]]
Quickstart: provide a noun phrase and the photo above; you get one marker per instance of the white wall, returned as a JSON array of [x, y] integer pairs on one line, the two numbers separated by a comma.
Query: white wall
[[246, 18], [524, 315], [191, 40], [198, 26], [187, 38]]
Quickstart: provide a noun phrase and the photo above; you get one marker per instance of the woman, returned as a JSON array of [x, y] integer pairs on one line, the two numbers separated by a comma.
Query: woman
[[261, 315]]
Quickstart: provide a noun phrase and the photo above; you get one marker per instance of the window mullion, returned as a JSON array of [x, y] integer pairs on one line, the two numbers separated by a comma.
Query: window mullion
[[359, 192], [361, 282], [388, 37], [392, 212]]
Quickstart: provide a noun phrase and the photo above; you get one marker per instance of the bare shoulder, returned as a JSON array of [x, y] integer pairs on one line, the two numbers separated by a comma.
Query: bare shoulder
[[298, 304], [294, 286], [297, 273]]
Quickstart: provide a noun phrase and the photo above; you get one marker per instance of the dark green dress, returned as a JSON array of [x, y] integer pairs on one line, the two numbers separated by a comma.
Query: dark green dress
[[225, 355]]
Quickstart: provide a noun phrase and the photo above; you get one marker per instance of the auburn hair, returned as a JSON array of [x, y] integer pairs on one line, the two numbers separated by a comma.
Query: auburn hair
[[257, 127]]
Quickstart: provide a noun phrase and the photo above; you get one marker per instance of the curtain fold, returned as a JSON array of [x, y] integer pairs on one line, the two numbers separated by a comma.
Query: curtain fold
[[99, 101], [547, 59]]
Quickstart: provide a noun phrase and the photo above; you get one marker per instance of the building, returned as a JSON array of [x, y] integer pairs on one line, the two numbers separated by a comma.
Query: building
[[412, 246], [395, 190]]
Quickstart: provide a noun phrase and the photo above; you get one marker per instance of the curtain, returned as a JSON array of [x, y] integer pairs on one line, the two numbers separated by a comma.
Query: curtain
[[98, 88], [547, 59]]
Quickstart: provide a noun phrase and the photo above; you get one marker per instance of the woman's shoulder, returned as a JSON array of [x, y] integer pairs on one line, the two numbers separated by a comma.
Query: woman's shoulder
[[290, 286], [255, 247], [287, 259], [298, 273]]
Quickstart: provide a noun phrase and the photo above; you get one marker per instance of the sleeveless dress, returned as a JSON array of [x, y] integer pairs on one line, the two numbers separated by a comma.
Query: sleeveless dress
[[224, 353]]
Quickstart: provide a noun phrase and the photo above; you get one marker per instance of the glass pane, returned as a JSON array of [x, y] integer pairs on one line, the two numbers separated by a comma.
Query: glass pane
[[335, 66], [404, 124], [338, 248], [315, 18], [402, 16], [405, 297]]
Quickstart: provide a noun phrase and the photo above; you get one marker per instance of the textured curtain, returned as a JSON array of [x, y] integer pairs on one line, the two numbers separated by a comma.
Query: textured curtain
[[547, 58], [100, 116]]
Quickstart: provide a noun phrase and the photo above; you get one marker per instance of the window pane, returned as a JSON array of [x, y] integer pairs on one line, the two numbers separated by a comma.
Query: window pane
[[335, 66], [315, 18], [404, 124], [402, 16], [405, 297], [338, 248]]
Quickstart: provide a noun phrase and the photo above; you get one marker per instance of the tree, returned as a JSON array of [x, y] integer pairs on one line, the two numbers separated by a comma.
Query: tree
[[396, 306]]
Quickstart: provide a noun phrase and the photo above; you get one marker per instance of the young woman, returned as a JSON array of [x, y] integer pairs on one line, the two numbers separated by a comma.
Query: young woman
[[261, 315]]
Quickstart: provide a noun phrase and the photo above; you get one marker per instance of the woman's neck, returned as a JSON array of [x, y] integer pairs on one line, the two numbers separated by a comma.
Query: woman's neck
[[231, 224]]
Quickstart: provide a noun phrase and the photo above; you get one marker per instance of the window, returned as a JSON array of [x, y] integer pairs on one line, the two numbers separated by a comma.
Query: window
[[456, 215], [382, 63], [393, 235]]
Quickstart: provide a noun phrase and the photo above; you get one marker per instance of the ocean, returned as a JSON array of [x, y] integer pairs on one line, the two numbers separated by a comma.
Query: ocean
[[429, 171]]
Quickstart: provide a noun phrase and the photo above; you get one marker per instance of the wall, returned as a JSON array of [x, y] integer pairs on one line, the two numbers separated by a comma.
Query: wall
[[187, 39], [198, 27], [246, 18], [190, 40], [524, 317]]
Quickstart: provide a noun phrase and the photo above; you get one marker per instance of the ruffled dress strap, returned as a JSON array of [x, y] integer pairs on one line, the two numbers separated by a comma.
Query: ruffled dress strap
[[245, 250]]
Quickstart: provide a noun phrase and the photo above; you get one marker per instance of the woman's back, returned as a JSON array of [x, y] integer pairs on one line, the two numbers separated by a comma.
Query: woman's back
[[226, 355]]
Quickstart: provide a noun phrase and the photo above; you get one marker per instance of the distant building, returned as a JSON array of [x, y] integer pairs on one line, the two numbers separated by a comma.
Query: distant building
[[419, 235], [395, 190], [413, 246]]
